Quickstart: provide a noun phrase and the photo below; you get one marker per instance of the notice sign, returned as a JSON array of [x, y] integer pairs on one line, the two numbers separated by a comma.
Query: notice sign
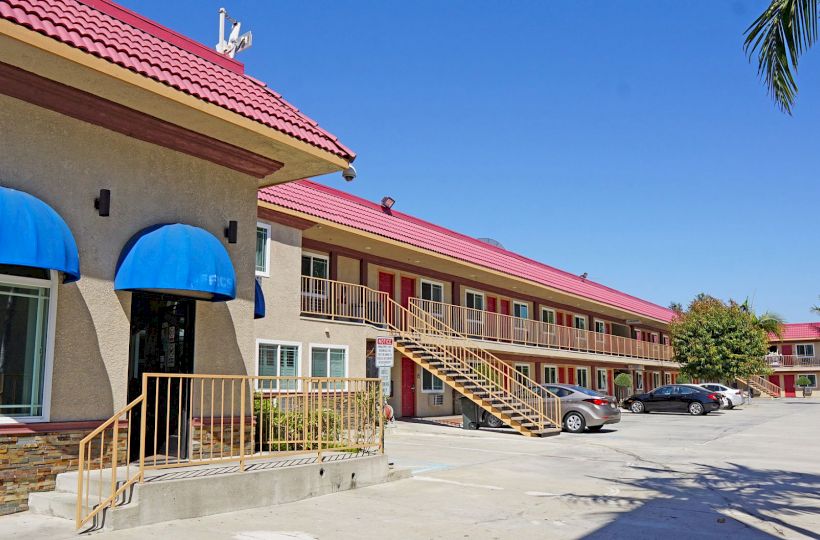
[[384, 375], [384, 352]]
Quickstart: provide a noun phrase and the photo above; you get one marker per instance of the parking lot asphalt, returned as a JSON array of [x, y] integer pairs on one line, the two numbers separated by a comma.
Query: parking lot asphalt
[[753, 472]]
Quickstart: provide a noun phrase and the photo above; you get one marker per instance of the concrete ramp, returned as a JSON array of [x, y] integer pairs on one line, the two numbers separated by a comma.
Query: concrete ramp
[[188, 492]]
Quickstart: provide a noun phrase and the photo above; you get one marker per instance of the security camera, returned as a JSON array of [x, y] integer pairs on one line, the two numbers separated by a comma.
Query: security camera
[[349, 174]]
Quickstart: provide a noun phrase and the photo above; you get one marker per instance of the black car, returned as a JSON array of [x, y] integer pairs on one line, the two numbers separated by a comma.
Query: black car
[[675, 398]]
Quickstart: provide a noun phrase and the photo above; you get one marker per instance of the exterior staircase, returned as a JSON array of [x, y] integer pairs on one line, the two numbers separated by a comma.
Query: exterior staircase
[[475, 373], [427, 340], [766, 388]]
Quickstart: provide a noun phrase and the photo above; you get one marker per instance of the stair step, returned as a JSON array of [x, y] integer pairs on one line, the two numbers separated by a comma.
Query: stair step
[[53, 503]]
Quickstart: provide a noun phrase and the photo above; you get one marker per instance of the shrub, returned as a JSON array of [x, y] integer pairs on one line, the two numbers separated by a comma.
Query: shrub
[[285, 429], [683, 379], [623, 380], [803, 381]]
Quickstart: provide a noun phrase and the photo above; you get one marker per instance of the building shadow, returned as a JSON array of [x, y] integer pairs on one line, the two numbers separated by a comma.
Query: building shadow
[[701, 503]]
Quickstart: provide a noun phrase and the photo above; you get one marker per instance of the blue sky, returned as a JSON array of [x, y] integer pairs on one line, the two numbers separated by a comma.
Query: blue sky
[[628, 139]]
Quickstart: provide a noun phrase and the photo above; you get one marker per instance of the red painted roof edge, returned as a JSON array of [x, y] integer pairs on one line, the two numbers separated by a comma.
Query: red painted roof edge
[[166, 34], [444, 230], [812, 332]]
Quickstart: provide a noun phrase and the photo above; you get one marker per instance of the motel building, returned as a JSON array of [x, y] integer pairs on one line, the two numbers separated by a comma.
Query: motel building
[[343, 271], [792, 355], [130, 161]]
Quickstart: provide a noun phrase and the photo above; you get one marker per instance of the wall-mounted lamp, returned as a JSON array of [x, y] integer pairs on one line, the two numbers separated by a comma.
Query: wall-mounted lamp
[[103, 202], [232, 231], [388, 202], [633, 321]]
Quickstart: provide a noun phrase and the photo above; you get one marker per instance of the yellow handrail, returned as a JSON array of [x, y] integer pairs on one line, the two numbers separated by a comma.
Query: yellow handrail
[[197, 419], [357, 303], [486, 325]]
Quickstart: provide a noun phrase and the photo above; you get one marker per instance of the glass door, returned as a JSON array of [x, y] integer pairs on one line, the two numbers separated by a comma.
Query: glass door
[[162, 341]]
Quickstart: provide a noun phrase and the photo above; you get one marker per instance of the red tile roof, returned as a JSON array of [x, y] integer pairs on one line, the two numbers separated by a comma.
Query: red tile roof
[[123, 37], [809, 331], [345, 209]]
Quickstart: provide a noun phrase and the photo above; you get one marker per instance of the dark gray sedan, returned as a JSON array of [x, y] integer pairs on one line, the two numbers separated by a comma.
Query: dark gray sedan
[[584, 408]]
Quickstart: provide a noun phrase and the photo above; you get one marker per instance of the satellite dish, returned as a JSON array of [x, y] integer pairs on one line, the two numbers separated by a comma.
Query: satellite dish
[[235, 43]]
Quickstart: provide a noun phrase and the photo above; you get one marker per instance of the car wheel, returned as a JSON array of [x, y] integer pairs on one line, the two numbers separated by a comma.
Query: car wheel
[[594, 428], [574, 422], [637, 407], [730, 405], [696, 408], [492, 421]]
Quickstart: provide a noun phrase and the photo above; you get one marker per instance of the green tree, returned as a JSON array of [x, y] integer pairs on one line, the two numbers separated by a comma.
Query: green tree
[[714, 340], [778, 37]]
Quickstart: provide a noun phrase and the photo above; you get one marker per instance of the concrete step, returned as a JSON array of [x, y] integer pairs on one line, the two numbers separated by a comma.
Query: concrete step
[[53, 503]]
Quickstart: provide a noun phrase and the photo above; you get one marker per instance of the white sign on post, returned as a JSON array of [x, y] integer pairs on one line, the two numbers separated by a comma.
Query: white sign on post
[[384, 352], [384, 375]]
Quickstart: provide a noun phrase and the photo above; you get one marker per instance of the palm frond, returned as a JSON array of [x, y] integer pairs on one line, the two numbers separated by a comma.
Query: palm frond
[[779, 36], [772, 323]]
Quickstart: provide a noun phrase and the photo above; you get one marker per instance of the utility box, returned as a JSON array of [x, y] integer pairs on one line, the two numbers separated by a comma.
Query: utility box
[[470, 414]]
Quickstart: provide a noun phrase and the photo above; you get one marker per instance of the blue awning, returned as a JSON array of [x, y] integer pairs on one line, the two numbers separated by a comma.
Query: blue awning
[[33, 234], [178, 259], [258, 302]]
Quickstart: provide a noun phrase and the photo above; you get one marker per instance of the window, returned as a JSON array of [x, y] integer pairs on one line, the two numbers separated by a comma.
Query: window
[[804, 349], [328, 361], [600, 327], [550, 374], [475, 300], [639, 380], [559, 391], [656, 379], [580, 322], [26, 343], [665, 339], [430, 384], [523, 369], [548, 315], [812, 379], [278, 359], [684, 390], [314, 266], [668, 378], [262, 249], [664, 391], [582, 377], [602, 379], [432, 291], [521, 310]]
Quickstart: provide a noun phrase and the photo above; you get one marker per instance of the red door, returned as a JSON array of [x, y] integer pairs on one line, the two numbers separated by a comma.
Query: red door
[[408, 290], [408, 387], [788, 385], [505, 307], [786, 350], [387, 283], [491, 304]]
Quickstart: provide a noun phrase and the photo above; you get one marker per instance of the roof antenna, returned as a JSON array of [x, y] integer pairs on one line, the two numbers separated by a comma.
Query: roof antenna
[[235, 43]]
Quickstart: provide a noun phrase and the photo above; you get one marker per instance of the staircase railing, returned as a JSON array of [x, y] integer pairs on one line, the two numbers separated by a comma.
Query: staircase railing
[[358, 303], [184, 420], [489, 326], [763, 385]]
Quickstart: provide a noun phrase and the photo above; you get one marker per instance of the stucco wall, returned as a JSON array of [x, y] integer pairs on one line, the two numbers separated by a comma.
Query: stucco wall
[[65, 163], [282, 321]]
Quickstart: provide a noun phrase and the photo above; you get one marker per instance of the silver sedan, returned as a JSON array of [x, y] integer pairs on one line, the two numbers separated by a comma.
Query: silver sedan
[[584, 408]]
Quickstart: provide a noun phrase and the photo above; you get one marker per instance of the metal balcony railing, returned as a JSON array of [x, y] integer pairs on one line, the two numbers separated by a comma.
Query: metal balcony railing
[[792, 361]]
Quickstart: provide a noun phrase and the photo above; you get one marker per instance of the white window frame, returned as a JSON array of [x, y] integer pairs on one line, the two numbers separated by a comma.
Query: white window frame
[[577, 379], [519, 305], [266, 272], [656, 379], [599, 336], [598, 372], [315, 255], [548, 310], [346, 349], [476, 293], [544, 369], [432, 380], [423, 281], [804, 345], [575, 321], [297, 344], [809, 376], [526, 365], [667, 378], [48, 360]]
